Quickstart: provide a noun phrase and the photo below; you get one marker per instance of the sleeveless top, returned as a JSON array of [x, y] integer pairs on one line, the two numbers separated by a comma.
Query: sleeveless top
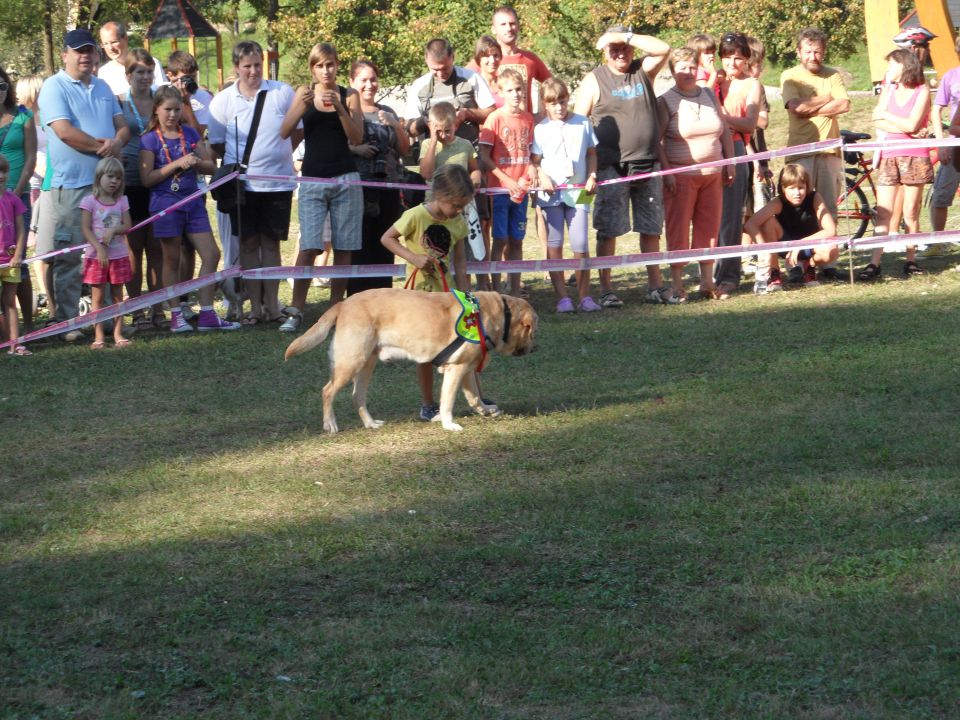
[[625, 117], [326, 150], [694, 129], [904, 111], [798, 222], [131, 151]]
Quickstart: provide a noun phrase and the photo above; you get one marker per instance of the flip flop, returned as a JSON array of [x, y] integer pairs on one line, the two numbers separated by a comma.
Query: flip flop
[[122, 343], [97, 345], [19, 351]]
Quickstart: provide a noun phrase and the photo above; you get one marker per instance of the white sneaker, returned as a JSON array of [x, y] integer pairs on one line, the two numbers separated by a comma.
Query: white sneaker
[[292, 323]]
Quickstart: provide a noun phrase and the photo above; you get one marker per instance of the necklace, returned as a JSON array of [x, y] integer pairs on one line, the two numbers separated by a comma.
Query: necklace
[[695, 98], [136, 112], [175, 183]]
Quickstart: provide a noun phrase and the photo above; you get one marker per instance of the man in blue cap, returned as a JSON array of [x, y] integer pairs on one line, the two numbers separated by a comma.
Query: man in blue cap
[[86, 124]]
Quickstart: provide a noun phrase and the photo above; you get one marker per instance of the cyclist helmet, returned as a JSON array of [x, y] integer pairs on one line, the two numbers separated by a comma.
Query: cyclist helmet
[[913, 36]]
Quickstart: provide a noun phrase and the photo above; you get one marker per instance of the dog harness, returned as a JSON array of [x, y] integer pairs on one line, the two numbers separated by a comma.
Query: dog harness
[[469, 328]]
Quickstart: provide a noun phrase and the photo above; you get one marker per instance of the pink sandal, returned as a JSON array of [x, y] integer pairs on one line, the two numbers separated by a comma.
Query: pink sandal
[[19, 350]]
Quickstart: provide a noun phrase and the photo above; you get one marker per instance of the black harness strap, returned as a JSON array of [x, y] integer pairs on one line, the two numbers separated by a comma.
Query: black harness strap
[[450, 349]]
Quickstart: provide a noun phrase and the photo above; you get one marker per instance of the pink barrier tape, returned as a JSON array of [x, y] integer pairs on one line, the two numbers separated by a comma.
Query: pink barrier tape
[[189, 198], [153, 218], [303, 272], [806, 149], [128, 306], [905, 144], [922, 239]]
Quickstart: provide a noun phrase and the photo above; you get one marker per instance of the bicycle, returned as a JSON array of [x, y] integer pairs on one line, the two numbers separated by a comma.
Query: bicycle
[[854, 211]]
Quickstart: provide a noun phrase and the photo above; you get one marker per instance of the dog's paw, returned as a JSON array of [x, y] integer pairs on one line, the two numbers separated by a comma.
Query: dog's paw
[[331, 427], [453, 427], [374, 424]]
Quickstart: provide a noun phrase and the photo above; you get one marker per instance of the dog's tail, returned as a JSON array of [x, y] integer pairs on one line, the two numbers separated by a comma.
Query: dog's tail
[[315, 335]]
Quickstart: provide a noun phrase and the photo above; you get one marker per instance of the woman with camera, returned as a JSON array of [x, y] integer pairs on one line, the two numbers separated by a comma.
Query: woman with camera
[[378, 159]]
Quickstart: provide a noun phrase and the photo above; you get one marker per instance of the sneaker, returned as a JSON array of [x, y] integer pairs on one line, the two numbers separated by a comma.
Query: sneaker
[[761, 280], [795, 276], [209, 320], [810, 276], [834, 275], [292, 323], [72, 336], [775, 281], [178, 324], [428, 412], [565, 305], [489, 408], [588, 305], [572, 280]]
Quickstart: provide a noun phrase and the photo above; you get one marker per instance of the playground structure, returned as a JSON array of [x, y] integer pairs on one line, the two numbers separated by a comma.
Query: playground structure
[[179, 19], [882, 22]]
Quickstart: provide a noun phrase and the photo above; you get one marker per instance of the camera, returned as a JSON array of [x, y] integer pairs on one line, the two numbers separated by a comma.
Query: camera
[[189, 84]]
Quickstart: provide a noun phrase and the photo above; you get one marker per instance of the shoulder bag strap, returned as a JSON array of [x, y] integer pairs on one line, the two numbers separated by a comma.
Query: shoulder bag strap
[[252, 136]]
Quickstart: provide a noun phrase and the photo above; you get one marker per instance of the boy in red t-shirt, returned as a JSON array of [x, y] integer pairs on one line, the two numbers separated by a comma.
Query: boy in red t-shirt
[[505, 142]]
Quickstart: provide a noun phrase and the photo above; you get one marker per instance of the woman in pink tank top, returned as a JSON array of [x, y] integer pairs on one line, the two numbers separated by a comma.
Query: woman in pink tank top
[[903, 113]]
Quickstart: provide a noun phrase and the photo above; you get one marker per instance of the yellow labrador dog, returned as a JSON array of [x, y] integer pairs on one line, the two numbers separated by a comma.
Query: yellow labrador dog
[[394, 324]]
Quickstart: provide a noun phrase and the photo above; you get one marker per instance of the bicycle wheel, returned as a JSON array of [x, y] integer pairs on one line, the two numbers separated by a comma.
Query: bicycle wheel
[[854, 213]]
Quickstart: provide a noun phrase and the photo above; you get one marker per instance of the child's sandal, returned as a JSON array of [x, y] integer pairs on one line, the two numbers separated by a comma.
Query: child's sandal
[[19, 351], [870, 272]]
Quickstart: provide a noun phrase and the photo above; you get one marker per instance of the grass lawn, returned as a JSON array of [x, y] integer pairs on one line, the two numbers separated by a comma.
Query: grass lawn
[[744, 509]]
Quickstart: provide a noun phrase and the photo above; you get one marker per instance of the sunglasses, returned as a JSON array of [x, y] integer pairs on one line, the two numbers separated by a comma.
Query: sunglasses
[[4, 86]]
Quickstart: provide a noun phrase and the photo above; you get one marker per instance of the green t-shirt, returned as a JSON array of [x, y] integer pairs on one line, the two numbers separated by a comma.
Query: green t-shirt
[[12, 147], [423, 234]]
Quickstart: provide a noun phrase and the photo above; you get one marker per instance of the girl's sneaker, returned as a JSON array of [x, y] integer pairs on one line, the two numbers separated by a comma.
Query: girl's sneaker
[[588, 305], [209, 320], [178, 324], [565, 305]]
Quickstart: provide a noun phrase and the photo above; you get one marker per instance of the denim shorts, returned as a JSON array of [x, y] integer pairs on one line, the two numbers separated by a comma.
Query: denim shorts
[[344, 206]]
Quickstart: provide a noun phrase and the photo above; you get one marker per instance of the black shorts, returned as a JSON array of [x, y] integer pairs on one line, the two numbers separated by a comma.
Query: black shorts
[[264, 213], [139, 199]]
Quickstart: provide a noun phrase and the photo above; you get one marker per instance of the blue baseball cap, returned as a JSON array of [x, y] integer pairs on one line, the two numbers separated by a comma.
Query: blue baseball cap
[[76, 39]]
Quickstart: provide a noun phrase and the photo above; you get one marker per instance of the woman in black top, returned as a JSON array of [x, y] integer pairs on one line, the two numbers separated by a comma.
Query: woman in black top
[[378, 159], [332, 121]]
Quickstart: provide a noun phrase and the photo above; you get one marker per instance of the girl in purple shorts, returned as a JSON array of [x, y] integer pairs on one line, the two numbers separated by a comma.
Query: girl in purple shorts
[[171, 155], [104, 220]]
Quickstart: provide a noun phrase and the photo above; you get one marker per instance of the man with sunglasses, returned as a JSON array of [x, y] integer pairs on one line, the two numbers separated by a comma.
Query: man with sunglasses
[[618, 96]]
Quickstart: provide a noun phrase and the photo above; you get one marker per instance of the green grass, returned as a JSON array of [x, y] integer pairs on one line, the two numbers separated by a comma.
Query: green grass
[[742, 509]]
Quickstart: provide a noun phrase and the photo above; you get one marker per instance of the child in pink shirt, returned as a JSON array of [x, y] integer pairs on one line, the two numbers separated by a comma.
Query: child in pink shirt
[[12, 238], [104, 218]]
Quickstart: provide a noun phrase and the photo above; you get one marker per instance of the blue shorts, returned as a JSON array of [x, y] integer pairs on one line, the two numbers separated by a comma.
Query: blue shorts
[[509, 218], [190, 218]]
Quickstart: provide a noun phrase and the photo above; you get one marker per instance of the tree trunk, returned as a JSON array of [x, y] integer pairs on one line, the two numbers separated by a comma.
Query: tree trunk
[[49, 68], [273, 48]]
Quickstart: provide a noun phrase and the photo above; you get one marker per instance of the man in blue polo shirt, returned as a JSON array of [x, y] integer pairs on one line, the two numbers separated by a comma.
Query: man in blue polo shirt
[[85, 124]]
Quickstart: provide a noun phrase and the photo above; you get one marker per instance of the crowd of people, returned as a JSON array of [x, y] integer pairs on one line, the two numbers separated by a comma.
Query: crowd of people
[[99, 147]]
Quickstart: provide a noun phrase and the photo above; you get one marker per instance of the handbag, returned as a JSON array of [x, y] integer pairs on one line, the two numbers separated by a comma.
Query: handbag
[[229, 196]]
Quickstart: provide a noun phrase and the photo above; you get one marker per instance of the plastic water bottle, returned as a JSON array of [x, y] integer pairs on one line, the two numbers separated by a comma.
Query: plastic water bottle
[[760, 281]]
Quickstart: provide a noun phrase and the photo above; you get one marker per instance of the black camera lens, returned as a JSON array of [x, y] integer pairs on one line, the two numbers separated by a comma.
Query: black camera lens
[[190, 85]]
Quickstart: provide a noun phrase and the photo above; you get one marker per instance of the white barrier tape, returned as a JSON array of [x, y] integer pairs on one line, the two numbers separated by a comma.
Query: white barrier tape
[[153, 218], [304, 272], [128, 306]]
